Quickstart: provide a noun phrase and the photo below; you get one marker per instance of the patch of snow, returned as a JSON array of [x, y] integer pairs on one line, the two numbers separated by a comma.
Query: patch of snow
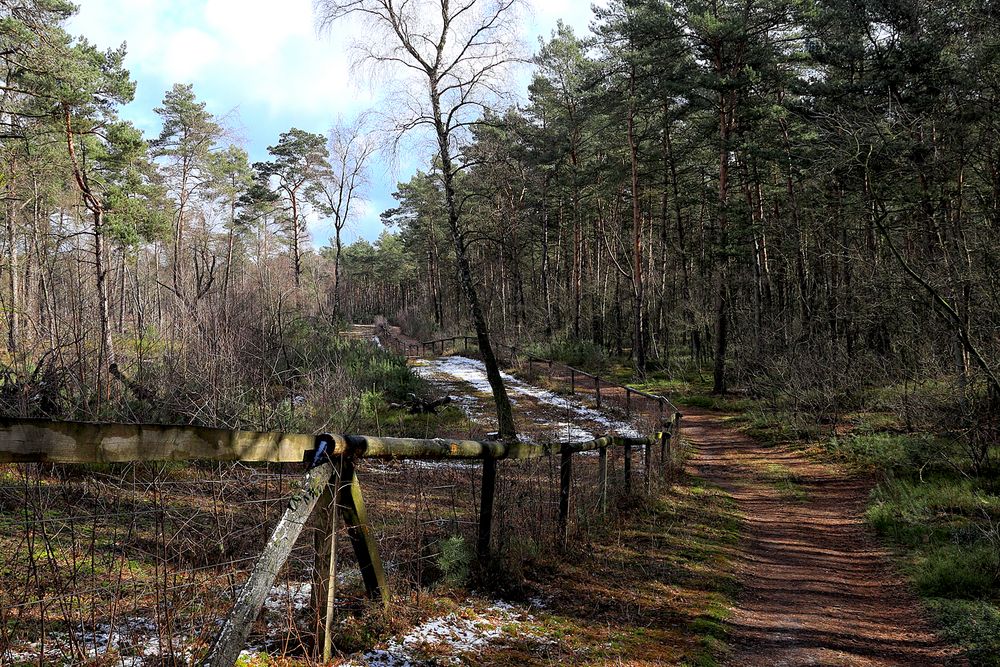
[[290, 595], [567, 432], [446, 638], [132, 641], [473, 372]]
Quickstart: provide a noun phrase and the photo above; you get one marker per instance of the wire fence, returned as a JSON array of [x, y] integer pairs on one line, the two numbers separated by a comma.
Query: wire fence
[[138, 563]]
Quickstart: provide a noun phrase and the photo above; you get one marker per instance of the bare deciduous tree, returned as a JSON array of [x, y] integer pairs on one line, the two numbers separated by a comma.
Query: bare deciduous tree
[[351, 148], [458, 55]]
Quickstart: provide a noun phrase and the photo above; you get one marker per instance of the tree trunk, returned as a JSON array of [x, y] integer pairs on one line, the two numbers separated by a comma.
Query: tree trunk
[[722, 279], [505, 416], [638, 337]]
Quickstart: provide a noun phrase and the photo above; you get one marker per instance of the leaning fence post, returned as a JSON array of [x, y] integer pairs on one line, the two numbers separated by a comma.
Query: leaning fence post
[[487, 494], [235, 629], [352, 508], [565, 481], [602, 479]]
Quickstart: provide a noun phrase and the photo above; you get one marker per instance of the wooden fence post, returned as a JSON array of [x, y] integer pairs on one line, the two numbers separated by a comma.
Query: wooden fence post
[[628, 402], [665, 462], [324, 588], [352, 508], [487, 494], [572, 381], [649, 466], [602, 479], [597, 388], [565, 483], [628, 469]]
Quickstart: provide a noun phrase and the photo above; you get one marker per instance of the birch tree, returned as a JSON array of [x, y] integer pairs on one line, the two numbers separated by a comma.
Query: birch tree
[[454, 57]]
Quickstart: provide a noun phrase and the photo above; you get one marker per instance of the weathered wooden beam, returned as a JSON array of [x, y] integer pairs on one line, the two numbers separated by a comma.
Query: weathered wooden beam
[[233, 635], [39, 441], [405, 448], [352, 509], [43, 441], [486, 497], [565, 486]]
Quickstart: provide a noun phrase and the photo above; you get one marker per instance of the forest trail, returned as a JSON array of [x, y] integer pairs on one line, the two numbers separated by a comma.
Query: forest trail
[[816, 587]]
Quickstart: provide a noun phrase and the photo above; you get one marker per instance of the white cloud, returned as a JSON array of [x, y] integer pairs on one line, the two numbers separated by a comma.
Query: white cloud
[[574, 13], [256, 51], [189, 53], [259, 51], [265, 58]]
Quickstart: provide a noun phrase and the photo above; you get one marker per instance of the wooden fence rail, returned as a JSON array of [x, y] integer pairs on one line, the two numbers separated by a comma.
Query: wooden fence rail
[[439, 345], [331, 460]]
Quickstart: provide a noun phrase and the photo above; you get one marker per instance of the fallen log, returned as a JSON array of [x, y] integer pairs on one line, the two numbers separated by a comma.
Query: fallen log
[[418, 406]]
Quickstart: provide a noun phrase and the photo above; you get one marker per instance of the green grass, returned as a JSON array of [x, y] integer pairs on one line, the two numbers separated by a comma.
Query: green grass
[[784, 480], [972, 624], [943, 523], [584, 355]]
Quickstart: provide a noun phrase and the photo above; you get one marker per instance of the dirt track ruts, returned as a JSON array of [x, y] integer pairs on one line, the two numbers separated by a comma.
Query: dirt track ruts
[[816, 588]]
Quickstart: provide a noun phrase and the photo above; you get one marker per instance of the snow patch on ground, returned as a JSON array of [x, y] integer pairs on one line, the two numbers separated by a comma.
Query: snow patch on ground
[[133, 641], [473, 372], [290, 595], [451, 640]]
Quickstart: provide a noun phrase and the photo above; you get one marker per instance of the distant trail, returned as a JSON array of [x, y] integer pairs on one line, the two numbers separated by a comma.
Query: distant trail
[[816, 588]]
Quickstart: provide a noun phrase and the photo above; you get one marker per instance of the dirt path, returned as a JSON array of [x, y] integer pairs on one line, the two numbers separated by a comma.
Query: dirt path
[[816, 588]]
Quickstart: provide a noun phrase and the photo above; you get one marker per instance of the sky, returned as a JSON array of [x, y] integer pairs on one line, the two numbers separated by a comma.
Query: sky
[[262, 66]]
